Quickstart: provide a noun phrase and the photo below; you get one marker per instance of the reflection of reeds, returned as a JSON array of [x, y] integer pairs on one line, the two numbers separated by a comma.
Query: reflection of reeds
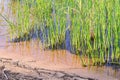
[[88, 28]]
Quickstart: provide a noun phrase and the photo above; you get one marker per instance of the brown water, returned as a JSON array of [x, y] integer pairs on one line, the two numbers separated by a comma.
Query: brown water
[[57, 59]]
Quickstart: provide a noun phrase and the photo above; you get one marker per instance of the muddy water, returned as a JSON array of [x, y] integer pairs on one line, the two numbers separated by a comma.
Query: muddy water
[[57, 59]]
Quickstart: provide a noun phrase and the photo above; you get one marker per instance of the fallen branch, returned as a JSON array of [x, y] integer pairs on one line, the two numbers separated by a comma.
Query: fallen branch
[[2, 68]]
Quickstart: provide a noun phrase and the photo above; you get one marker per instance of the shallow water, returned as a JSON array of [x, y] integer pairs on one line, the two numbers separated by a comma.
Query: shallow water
[[34, 49]]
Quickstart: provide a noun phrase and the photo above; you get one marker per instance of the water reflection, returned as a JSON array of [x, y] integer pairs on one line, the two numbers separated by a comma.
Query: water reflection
[[34, 48]]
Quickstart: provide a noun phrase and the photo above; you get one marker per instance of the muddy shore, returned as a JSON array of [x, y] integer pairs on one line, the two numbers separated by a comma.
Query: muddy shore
[[18, 66], [16, 70]]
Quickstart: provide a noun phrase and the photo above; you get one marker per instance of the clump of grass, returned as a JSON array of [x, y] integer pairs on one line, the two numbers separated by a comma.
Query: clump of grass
[[89, 28]]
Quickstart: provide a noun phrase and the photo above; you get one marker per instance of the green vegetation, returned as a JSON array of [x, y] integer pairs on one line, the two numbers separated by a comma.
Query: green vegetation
[[89, 28]]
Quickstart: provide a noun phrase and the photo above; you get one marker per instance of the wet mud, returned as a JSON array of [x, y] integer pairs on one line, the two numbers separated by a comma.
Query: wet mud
[[15, 70]]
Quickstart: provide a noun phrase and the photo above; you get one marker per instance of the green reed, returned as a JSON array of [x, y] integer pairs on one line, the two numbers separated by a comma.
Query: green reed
[[94, 26]]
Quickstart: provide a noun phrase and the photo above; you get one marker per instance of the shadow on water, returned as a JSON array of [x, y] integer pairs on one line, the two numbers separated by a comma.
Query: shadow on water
[[38, 33]]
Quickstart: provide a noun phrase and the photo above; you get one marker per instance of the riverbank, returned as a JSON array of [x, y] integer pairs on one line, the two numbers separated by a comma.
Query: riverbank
[[14, 70], [29, 68]]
